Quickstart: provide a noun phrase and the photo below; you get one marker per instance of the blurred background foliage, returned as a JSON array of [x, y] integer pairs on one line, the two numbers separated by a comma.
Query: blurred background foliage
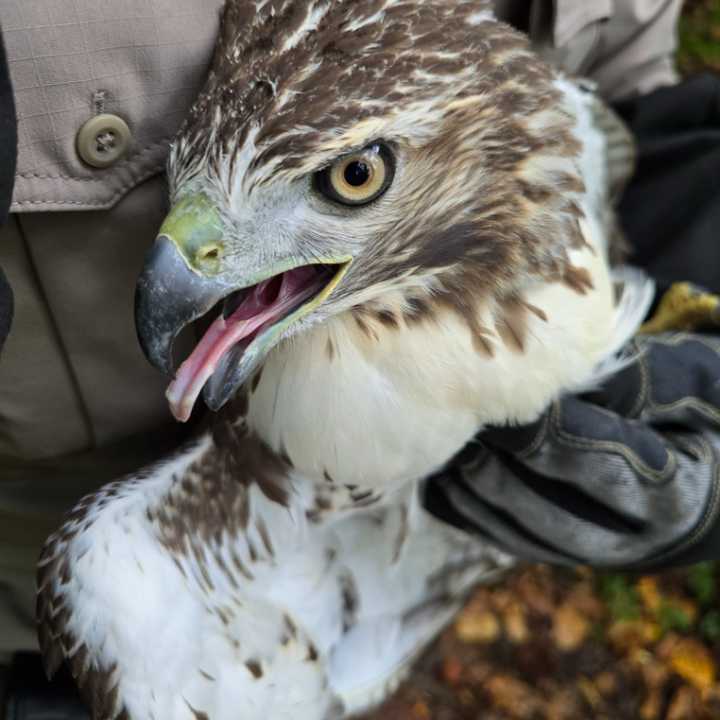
[[700, 36]]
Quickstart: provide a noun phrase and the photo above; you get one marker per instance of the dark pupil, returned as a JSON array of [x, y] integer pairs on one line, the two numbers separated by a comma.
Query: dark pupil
[[357, 173]]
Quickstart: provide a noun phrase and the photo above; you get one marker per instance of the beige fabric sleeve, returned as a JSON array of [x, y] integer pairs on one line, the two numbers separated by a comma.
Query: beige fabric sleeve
[[71, 60], [635, 53], [626, 46]]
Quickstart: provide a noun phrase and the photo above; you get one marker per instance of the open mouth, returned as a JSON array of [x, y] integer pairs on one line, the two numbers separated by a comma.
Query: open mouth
[[256, 315]]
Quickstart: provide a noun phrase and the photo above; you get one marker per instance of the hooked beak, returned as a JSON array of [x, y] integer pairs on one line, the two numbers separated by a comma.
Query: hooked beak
[[181, 282], [169, 296]]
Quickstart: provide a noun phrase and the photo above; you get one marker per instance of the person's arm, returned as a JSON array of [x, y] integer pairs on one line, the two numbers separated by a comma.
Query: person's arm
[[626, 46], [8, 158], [635, 52]]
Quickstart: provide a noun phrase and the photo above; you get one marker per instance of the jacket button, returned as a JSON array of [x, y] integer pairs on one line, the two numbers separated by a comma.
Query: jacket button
[[103, 140]]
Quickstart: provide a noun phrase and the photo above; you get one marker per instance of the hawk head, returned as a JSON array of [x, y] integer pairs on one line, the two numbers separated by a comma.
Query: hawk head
[[342, 151]]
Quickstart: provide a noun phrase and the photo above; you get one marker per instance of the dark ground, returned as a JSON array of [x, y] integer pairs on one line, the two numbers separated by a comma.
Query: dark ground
[[552, 644]]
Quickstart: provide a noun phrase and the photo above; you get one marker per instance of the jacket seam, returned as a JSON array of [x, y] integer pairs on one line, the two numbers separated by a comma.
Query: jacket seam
[[73, 379], [154, 170], [134, 180], [124, 163]]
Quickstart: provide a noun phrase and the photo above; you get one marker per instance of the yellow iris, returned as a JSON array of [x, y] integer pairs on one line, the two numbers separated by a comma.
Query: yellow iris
[[359, 178]]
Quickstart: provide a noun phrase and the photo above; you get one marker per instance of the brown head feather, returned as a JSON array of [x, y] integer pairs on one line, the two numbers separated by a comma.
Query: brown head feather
[[469, 110]]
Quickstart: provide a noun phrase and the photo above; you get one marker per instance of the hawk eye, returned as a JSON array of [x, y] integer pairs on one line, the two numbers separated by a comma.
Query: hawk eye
[[359, 178]]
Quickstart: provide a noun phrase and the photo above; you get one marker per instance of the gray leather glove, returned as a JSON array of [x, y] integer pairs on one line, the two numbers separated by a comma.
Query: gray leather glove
[[628, 476]]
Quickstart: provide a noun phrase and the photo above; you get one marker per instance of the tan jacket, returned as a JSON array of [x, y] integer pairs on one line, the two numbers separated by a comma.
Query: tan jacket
[[79, 404], [626, 46]]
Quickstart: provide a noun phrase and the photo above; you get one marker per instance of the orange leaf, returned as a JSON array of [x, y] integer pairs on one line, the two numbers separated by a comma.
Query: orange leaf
[[452, 670], [691, 660], [606, 682], [628, 634], [421, 711], [570, 628], [514, 696], [647, 589], [515, 623], [481, 627], [684, 705]]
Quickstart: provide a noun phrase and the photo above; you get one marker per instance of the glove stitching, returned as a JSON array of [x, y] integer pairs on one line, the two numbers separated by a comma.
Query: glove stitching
[[705, 523], [696, 447], [631, 457], [477, 461], [676, 339], [644, 394], [465, 501], [539, 439], [704, 408]]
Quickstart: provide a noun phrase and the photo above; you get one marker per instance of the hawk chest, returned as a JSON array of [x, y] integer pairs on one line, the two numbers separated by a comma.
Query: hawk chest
[[377, 406], [373, 411]]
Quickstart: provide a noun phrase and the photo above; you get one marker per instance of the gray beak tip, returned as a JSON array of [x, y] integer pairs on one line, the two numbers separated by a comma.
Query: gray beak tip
[[169, 296]]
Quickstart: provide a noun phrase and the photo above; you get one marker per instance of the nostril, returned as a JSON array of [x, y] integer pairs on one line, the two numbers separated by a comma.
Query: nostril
[[209, 253]]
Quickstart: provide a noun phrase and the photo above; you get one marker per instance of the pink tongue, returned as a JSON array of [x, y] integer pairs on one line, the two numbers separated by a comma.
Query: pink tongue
[[259, 307]]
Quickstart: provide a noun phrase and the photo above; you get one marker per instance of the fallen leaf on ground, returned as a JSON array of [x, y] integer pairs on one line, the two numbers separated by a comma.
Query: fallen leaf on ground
[[514, 696], [452, 670], [606, 682], [477, 627], [584, 598], [515, 623], [564, 705], [647, 589], [652, 706], [692, 660], [590, 692], [536, 592], [421, 711], [570, 628], [628, 634], [684, 705]]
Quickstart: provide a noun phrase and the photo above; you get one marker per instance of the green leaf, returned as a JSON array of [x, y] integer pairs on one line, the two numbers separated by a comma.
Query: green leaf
[[701, 581], [671, 617], [620, 596], [710, 626]]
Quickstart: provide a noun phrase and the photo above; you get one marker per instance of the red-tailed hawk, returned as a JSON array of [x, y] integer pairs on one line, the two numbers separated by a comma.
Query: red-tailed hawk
[[397, 221]]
